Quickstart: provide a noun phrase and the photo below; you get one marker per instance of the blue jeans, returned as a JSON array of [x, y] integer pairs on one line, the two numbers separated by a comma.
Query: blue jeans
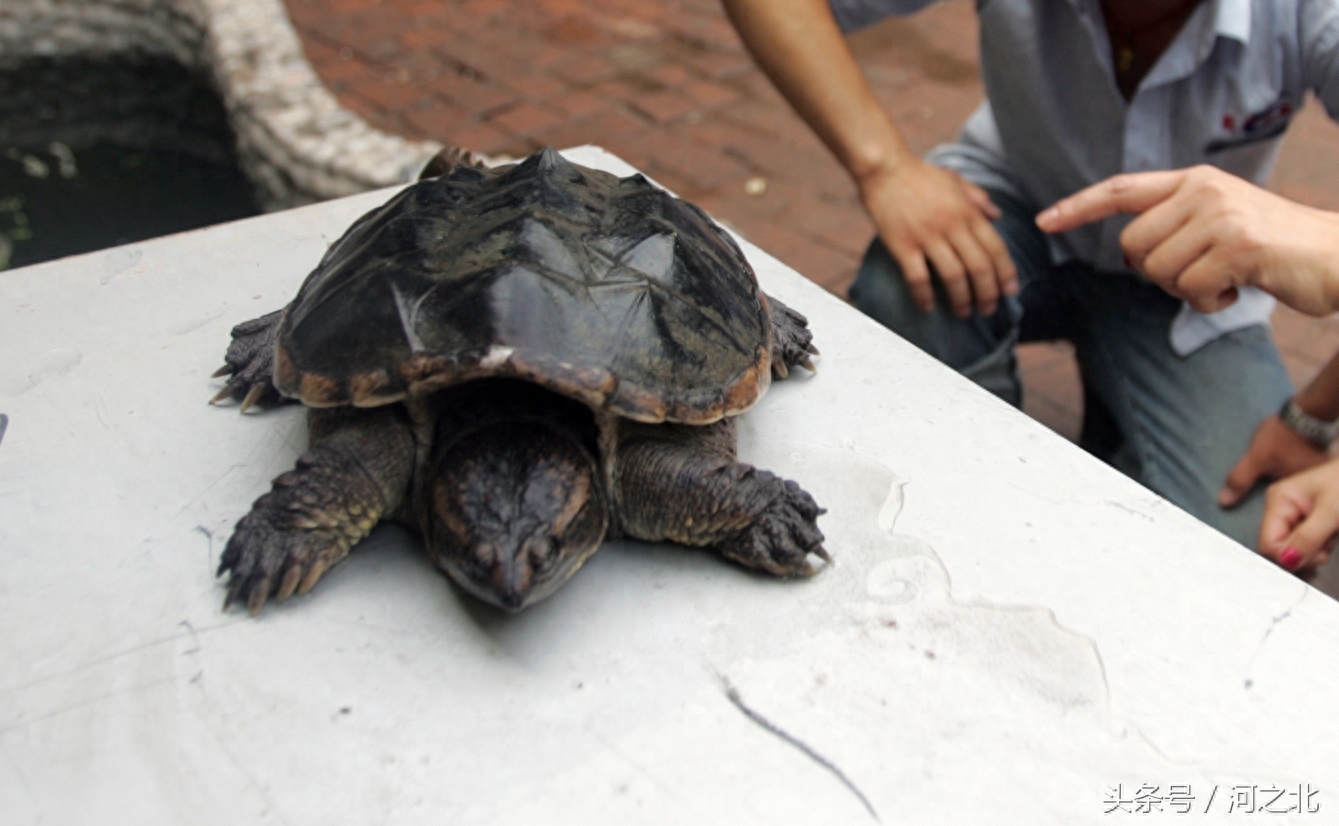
[[1176, 424]]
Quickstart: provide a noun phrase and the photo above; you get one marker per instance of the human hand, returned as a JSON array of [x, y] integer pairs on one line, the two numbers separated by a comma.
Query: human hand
[[1202, 233], [1302, 518], [925, 213], [1275, 452]]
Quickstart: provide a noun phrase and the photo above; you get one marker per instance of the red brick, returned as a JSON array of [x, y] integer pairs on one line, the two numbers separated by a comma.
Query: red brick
[[343, 7], [483, 8], [843, 228], [370, 24], [714, 131], [527, 118], [584, 69], [437, 120], [636, 56], [474, 96], [708, 30], [760, 88], [706, 170], [391, 94], [615, 90], [579, 104], [420, 64], [470, 54], [561, 8], [663, 107], [720, 66], [630, 28], [427, 36], [544, 55], [573, 29], [669, 74], [384, 49], [480, 137], [828, 268], [611, 129], [340, 70], [537, 87], [319, 51], [763, 119], [675, 183], [710, 95]]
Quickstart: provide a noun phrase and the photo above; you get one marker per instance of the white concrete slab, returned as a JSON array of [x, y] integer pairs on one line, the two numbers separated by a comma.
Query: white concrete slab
[[1010, 631]]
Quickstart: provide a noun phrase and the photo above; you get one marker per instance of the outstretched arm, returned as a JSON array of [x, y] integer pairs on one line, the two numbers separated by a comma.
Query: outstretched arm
[[925, 215]]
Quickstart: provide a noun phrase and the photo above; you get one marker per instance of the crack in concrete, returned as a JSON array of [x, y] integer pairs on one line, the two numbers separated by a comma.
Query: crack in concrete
[[1274, 622], [732, 694]]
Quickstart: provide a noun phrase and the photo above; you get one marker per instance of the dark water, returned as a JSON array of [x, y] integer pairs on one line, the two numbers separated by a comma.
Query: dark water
[[95, 153]]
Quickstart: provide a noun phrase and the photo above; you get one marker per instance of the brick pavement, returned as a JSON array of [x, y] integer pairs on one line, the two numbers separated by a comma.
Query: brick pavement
[[667, 85]]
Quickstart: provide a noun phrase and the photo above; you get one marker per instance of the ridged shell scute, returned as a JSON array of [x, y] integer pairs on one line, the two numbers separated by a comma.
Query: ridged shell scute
[[606, 289]]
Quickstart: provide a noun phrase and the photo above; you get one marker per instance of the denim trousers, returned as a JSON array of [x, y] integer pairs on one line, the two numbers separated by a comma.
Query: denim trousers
[[1177, 424]]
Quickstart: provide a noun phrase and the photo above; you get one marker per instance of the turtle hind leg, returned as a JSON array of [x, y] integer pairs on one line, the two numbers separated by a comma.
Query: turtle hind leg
[[792, 340], [682, 484], [249, 363], [356, 472]]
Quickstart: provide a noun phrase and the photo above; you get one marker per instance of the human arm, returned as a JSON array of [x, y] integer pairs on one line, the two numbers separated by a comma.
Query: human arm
[[1277, 451], [1203, 233], [925, 215]]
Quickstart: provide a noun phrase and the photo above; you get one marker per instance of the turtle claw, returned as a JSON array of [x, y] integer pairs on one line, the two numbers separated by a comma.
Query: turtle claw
[[273, 553], [289, 583], [259, 593], [782, 537], [249, 363], [252, 397], [791, 339]]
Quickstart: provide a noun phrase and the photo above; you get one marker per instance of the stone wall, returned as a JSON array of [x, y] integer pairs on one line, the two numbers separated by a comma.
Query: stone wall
[[294, 140]]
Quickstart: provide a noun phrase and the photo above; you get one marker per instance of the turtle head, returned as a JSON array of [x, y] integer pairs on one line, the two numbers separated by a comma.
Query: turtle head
[[517, 507]]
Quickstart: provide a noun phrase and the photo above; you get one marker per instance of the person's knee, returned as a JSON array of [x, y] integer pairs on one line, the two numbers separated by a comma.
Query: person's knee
[[880, 290]]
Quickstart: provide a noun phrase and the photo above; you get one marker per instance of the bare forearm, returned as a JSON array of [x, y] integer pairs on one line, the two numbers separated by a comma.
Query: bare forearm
[[926, 216], [798, 44], [1320, 398]]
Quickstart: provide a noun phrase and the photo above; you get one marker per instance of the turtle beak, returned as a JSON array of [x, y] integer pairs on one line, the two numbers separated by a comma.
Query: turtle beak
[[513, 578]]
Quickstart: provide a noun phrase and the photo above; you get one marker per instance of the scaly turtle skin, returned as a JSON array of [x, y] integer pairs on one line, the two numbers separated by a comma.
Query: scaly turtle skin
[[520, 362]]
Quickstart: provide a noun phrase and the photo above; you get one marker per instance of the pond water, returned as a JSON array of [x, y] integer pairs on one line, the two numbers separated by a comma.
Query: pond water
[[97, 152]]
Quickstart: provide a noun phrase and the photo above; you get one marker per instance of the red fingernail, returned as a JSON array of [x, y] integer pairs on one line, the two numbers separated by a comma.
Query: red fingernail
[[1290, 558], [1127, 262]]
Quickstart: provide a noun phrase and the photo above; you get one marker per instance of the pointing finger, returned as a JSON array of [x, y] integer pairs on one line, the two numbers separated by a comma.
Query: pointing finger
[[1128, 193]]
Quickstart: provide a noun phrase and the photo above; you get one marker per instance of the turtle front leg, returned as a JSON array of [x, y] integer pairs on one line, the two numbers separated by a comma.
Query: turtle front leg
[[792, 340], [249, 363], [356, 472], [682, 484]]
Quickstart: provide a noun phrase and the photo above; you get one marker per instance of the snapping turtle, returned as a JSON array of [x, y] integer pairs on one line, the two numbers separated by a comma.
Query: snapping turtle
[[519, 362]]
